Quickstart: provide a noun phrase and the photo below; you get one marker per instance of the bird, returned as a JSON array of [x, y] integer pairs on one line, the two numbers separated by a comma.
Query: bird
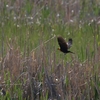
[[64, 46]]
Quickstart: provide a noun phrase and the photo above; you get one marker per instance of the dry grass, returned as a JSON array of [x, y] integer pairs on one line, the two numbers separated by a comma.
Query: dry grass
[[45, 73], [39, 74]]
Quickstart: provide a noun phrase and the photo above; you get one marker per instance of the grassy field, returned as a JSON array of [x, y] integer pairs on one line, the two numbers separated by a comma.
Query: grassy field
[[31, 67]]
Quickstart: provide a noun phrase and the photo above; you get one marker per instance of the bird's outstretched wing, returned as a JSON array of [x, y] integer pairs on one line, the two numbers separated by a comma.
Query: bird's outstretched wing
[[62, 43], [69, 43]]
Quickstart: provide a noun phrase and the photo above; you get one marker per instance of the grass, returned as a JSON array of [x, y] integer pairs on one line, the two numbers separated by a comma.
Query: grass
[[31, 67]]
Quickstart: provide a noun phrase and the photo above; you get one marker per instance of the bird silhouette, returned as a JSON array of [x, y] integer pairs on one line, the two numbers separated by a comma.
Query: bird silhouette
[[63, 45]]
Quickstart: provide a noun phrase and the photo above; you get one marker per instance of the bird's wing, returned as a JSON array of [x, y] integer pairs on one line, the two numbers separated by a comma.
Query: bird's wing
[[62, 43], [69, 43]]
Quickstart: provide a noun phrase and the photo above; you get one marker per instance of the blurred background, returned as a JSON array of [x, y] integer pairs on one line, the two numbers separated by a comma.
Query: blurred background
[[31, 67]]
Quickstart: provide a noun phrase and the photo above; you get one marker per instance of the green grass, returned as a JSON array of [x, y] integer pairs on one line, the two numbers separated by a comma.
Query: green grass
[[29, 55]]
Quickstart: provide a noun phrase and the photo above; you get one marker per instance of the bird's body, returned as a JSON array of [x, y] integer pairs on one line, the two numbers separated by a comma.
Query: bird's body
[[63, 45]]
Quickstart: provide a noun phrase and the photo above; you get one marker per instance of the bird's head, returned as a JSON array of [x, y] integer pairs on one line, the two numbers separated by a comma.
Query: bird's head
[[59, 49]]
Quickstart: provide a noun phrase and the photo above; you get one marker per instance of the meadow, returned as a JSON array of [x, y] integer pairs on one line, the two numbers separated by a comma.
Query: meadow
[[31, 67]]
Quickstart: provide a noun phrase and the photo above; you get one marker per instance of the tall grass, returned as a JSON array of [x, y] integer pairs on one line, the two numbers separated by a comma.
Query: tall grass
[[31, 67]]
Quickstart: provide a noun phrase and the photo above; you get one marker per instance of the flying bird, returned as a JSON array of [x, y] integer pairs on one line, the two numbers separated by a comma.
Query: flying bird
[[64, 47]]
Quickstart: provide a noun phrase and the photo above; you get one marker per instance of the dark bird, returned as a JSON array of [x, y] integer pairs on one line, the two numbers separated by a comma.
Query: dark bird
[[63, 45]]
